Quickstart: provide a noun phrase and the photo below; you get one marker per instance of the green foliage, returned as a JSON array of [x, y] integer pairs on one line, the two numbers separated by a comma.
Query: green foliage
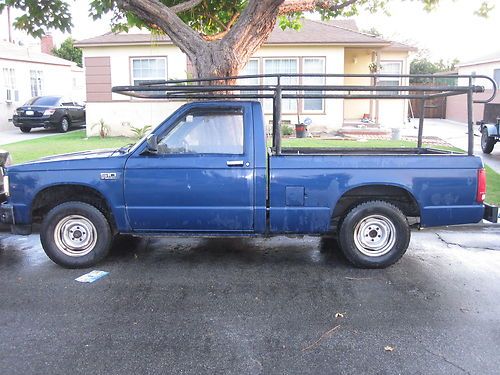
[[68, 51], [286, 130], [425, 66], [140, 132], [210, 17], [103, 128], [39, 16]]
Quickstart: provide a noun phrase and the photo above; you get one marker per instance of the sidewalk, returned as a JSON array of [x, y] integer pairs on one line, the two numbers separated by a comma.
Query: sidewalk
[[455, 133]]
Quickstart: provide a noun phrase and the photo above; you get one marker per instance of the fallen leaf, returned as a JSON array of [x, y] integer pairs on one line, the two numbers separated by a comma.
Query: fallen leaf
[[389, 348]]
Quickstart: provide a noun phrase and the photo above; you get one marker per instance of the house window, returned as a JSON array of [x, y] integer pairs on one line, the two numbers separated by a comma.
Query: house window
[[147, 69], [496, 76], [36, 82], [390, 67], [313, 66], [252, 68], [281, 66], [9, 78]]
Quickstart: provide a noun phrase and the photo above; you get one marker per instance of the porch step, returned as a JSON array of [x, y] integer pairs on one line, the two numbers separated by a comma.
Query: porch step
[[357, 131], [360, 124]]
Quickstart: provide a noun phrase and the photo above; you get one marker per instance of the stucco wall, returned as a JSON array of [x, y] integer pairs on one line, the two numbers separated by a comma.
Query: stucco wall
[[456, 106], [123, 110], [57, 80]]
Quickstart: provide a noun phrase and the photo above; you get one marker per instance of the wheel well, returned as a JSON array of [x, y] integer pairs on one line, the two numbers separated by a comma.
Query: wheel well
[[51, 197], [398, 196]]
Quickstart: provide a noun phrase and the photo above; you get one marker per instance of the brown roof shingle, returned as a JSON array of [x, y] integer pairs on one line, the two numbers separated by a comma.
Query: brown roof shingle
[[341, 32]]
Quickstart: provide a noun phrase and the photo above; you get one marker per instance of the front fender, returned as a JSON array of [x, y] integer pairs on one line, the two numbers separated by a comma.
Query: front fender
[[492, 130]]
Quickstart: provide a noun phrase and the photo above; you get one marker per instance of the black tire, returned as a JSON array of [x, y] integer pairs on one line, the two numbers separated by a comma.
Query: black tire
[[83, 221], [374, 234], [64, 124], [25, 129], [487, 143]]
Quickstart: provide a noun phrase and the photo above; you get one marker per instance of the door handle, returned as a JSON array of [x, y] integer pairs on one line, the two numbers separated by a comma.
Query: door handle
[[235, 163]]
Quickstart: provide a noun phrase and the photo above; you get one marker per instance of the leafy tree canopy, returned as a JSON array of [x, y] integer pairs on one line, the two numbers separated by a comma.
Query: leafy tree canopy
[[68, 51], [211, 18]]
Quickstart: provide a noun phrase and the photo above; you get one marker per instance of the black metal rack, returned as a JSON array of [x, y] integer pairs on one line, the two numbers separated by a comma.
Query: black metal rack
[[232, 88]]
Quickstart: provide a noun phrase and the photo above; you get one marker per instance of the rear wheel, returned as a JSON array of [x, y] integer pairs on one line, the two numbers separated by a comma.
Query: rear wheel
[[487, 143], [75, 235], [374, 234], [25, 129], [64, 125]]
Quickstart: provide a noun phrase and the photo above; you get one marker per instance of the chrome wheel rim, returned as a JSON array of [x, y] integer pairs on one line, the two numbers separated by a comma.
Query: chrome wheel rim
[[484, 139], [75, 236], [375, 235], [65, 124]]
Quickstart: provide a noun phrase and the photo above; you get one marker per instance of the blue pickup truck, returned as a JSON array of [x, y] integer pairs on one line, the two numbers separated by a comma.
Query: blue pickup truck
[[208, 171]]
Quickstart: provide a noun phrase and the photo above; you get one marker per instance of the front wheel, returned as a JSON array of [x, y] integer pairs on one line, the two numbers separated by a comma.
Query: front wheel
[[25, 129], [487, 142], [374, 234], [75, 235]]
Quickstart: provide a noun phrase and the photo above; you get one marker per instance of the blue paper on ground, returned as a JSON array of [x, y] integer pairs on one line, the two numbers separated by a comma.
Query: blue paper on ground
[[91, 276]]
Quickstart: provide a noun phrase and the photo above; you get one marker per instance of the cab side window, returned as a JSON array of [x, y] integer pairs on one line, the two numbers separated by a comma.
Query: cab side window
[[213, 132]]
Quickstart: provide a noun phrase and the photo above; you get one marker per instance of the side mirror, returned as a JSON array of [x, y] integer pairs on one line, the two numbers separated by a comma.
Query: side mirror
[[152, 143]]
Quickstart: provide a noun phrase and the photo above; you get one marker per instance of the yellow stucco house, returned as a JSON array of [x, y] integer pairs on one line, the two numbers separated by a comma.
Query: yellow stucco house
[[319, 47]]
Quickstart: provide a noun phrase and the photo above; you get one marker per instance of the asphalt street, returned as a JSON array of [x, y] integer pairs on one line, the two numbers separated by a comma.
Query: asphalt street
[[254, 306]]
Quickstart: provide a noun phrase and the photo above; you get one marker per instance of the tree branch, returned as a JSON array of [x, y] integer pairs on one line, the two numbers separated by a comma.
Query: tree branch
[[186, 5], [291, 6], [158, 14]]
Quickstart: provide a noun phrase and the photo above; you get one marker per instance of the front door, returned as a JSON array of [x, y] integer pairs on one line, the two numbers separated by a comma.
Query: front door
[[201, 179]]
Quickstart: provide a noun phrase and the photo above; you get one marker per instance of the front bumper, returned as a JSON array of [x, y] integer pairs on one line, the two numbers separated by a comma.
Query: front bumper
[[490, 213]]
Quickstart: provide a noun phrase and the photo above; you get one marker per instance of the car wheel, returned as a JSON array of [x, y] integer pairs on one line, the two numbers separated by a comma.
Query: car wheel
[[76, 235], [25, 129], [487, 143], [374, 234], [64, 125]]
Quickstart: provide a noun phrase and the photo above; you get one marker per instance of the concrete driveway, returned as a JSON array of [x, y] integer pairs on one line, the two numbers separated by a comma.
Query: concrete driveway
[[277, 306]]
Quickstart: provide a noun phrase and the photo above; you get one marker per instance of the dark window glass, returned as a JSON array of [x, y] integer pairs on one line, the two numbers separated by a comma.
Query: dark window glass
[[44, 100]]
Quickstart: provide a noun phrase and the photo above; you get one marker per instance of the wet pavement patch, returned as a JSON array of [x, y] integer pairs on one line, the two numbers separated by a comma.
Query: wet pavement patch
[[252, 306]]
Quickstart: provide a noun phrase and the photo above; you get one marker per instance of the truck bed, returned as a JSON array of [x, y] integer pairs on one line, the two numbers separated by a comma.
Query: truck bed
[[365, 151]]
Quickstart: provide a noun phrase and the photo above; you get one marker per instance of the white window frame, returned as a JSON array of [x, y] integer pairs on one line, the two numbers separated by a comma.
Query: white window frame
[[11, 91], [389, 79], [36, 82], [273, 58], [155, 78], [304, 82]]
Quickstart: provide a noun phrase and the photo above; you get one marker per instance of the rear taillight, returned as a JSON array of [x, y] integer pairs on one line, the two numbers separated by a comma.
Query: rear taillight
[[49, 112], [481, 185]]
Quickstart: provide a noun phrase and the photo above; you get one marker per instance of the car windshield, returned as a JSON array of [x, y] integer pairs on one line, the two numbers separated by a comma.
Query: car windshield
[[44, 100]]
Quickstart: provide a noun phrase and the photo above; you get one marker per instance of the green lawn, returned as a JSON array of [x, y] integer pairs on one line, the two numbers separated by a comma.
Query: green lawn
[[492, 186], [77, 141], [60, 144]]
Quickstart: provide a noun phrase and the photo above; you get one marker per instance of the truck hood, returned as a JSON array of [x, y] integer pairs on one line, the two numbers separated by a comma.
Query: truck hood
[[103, 153], [95, 159]]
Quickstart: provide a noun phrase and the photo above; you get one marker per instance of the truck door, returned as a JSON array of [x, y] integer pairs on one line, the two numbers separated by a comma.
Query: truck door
[[202, 177]]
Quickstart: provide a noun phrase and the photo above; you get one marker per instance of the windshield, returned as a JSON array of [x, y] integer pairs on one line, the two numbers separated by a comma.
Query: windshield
[[44, 100]]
